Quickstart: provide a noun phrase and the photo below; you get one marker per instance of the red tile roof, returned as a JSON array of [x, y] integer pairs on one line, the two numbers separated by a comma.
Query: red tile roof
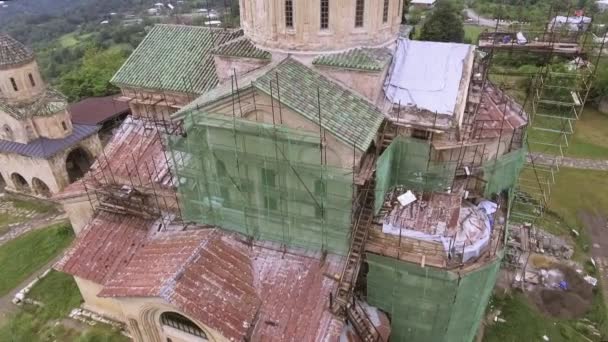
[[263, 292], [134, 155], [106, 244], [495, 107], [97, 110]]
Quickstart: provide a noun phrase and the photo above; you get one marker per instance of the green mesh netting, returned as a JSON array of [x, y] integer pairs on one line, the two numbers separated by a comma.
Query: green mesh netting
[[263, 181], [406, 162], [429, 304], [502, 174]]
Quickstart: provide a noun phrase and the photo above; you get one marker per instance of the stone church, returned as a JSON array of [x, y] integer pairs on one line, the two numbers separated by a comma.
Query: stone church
[[235, 204], [41, 150]]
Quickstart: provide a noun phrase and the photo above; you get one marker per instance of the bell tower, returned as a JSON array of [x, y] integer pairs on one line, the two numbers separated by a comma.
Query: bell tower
[[19, 75]]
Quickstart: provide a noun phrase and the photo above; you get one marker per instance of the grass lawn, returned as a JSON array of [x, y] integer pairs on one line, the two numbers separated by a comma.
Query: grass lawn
[[591, 136], [21, 257], [525, 323], [59, 293], [471, 33]]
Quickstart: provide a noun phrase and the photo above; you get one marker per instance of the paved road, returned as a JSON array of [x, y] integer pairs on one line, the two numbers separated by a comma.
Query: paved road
[[481, 21], [575, 163]]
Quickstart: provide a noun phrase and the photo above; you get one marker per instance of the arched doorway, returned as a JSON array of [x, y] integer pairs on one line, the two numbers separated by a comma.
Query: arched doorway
[[77, 164], [40, 187], [175, 324], [20, 183], [2, 183]]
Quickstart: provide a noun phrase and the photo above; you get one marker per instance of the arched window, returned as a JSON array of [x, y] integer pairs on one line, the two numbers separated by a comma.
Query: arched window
[[359, 13], [40, 187], [14, 84], [7, 132], [77, 163], [324, 14], [32, 82], [181, 323], [289, 14]]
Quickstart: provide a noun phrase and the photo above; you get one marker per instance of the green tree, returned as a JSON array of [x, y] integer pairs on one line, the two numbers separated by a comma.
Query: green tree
[[92, 77], [444, 24]]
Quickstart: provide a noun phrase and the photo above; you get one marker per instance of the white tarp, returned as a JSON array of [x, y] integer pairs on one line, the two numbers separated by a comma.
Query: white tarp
[[426, 75]]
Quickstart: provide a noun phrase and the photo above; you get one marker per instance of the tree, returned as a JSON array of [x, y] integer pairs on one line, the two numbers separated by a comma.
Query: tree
[[444, 24], [92, 77]]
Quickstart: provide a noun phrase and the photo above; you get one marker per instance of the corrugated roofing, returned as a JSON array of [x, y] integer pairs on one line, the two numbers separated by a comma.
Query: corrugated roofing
[[12, 52], [44, 147], [48, 103], [97, 110], [426, 75], [358, 59], [241, 47], [345, 114], [174, 58]]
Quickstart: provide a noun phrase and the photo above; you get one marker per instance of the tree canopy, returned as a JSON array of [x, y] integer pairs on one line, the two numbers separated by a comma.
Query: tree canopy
[[444, 24], [92, 77]]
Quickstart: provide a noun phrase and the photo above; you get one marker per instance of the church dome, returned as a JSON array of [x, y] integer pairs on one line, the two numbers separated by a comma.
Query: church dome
[[12, 52]]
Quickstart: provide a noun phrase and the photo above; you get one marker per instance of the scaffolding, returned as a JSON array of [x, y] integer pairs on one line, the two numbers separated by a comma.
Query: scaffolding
[[556, 99], [265, 181]]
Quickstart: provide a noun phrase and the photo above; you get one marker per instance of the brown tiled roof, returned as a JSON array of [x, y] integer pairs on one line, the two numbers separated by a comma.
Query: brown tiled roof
[[495, 107], [106, 244], [261, 292], [97, 110], [134, 155], [13, 52], [197, 271]]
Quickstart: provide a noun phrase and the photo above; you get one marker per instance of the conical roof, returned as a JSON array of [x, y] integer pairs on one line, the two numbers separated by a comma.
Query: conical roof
[[13, 52]]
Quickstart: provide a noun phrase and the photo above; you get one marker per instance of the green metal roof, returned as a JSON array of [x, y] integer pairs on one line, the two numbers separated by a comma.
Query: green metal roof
[[241, 47], [175, 58], [348, 116], [358, 59], [46, 104]]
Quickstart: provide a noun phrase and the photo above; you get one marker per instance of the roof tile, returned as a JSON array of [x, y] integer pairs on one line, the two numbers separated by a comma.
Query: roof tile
[[175, 58], [241, 47], [13, 52]]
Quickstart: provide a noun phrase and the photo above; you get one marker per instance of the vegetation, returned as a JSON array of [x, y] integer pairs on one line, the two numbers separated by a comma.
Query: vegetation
[[523, 322], [590, 139], [444, 24], [59, 294], [24, 255], [92, 77]]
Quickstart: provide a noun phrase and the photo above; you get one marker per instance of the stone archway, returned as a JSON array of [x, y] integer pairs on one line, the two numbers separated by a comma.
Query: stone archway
[[40, 187], [77, 163], [2, 183], [20, 183]]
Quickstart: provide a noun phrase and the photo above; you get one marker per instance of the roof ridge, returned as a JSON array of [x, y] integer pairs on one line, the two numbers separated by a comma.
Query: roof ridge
[[169, 284]]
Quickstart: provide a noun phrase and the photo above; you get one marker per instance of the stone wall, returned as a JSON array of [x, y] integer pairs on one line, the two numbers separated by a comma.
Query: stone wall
[[20, 74], [225, 67], [264, 23]]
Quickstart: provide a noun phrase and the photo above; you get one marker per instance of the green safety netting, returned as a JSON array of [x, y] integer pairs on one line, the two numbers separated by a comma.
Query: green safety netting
[[430, 304], [263, 181], [502, 173], [407, 162]]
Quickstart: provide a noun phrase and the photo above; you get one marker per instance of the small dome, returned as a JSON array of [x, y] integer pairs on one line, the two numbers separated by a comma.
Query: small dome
[[13, 52]]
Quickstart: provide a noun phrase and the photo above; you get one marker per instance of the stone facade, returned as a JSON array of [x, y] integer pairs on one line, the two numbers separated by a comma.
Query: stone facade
[[264, 22], [37, 136]]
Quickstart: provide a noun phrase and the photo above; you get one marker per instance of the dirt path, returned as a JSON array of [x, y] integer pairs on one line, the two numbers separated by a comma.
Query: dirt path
[[6, 305], [575, 163]]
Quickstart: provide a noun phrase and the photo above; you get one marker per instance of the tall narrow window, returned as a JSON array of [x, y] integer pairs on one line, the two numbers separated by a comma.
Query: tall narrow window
[[14, 84], [269, 178], [324, 14], [385, 11], [289, 13], [32, 80], [359, 12]]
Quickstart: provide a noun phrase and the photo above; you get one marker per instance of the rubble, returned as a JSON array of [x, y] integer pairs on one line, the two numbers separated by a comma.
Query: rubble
[[540, 241], [91, 318]]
